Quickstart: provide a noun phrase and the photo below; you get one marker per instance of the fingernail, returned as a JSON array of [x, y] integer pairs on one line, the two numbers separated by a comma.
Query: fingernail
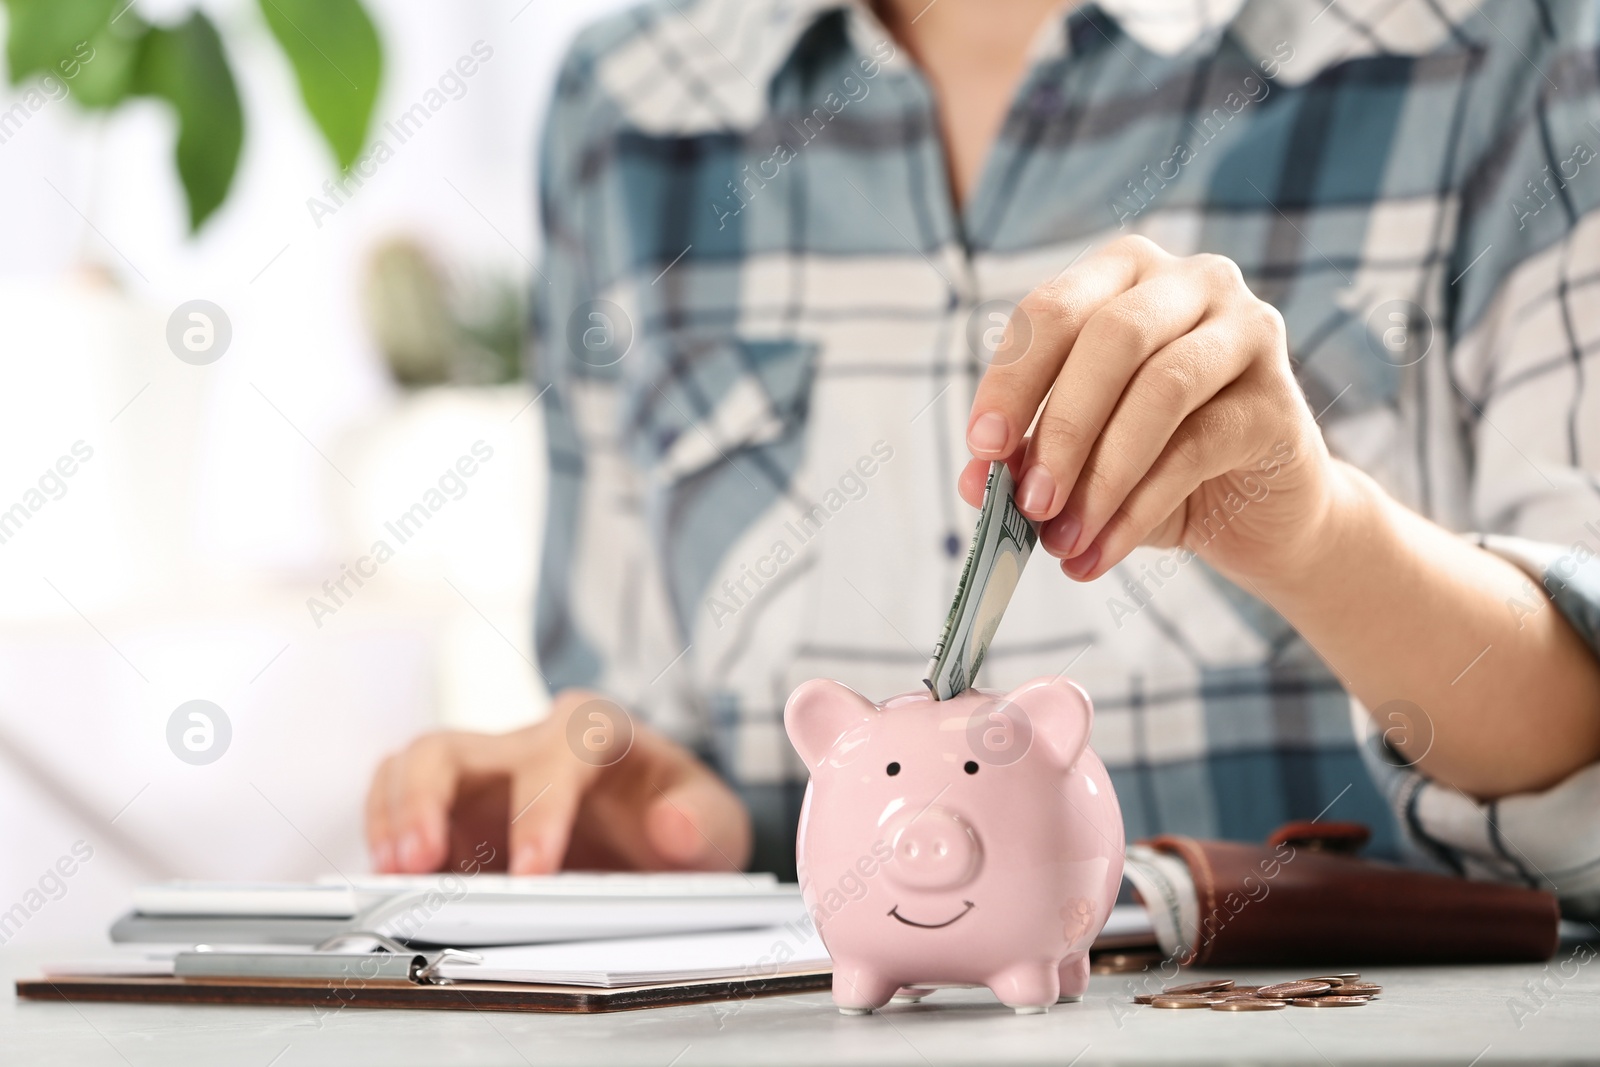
[[524, 858], [1061, 535], [383, 856], [1038, 489], [1083, 563], [989, 433], [411, 851]]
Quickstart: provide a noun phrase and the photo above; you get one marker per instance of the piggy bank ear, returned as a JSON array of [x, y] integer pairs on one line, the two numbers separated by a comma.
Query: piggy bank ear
[[820, 712], [1059, 714]]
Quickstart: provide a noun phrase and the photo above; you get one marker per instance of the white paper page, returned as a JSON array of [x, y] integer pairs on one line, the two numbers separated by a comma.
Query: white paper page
[[1129, 920], [570, 883], [495, 919], [649, 960], [287, 899]]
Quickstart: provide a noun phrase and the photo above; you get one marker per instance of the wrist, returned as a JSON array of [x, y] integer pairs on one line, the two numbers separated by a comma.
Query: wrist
[[1333, 538]]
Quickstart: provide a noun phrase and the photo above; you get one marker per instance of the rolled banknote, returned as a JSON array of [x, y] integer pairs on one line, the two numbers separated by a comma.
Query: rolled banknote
[[1000, 548]]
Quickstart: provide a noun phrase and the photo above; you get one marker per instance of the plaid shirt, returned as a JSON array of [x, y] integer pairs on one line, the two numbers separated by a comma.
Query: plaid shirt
[[762, 321]]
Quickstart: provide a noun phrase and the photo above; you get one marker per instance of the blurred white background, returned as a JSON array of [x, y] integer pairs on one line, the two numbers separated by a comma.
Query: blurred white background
[[178, 562]]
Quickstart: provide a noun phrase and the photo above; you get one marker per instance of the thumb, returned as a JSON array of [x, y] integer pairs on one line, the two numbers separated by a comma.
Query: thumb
[[699, 824], [974, 477]]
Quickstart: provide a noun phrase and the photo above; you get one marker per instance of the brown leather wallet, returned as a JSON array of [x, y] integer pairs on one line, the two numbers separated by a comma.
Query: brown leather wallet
[[1305, 898]]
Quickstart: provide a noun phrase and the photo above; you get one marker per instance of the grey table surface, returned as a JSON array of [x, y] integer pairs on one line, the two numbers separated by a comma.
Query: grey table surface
[[1438, 1015]]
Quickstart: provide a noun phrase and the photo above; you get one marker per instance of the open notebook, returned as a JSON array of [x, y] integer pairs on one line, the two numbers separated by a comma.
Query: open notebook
[[648, 960], [571, 942], [606, 964]]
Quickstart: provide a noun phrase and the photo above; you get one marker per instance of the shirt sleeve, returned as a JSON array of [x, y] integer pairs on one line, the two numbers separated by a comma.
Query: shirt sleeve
[[601, 618], [1525, 333]]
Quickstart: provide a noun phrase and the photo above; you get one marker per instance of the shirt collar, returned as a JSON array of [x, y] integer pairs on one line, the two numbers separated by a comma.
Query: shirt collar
[[1311, 30], [738, 46], [1164, 27], [1267, 30]]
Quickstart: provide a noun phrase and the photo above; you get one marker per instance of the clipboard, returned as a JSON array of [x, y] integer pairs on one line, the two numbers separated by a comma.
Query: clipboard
[[396, 978], [331, 995]]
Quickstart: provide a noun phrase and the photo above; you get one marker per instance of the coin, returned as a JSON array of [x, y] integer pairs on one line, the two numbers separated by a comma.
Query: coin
[[1144, 999], [1210, 985], [1286, 990], [1224, 994], [1189, 1001], [1359, 989], [1247, 1004], [1123, 962]]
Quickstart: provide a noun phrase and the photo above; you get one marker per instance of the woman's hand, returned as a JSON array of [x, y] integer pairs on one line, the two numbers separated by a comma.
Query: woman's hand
[[1170, 416], [587, 786]]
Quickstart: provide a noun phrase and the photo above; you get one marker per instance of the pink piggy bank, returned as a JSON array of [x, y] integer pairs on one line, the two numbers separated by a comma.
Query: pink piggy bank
[[971, 841]]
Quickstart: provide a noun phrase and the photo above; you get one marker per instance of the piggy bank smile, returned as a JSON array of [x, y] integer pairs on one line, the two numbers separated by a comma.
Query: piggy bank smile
[[939, 841], [894, 913]]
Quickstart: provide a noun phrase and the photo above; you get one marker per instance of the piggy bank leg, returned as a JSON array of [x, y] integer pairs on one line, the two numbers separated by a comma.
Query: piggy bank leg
[[857, 990], [1074, 978], [1029, 987]]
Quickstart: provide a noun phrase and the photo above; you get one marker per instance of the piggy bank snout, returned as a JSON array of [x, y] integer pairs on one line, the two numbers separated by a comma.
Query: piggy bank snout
[[933, 848]]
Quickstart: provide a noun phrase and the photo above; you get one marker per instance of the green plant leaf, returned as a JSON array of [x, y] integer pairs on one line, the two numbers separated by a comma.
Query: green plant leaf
[[186, 66], [44, 33], [103, 76], [334, 50]]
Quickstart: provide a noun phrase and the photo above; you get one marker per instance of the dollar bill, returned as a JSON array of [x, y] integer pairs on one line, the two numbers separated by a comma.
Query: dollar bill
[[1000, 549]]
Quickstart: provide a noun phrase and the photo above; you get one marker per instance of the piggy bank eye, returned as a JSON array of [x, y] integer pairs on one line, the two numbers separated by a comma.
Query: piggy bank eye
[[971, 767], [893, 769]]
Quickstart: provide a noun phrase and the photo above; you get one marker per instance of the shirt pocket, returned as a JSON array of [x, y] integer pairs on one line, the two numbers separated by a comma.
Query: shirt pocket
[[716, 430], [693, 405]]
